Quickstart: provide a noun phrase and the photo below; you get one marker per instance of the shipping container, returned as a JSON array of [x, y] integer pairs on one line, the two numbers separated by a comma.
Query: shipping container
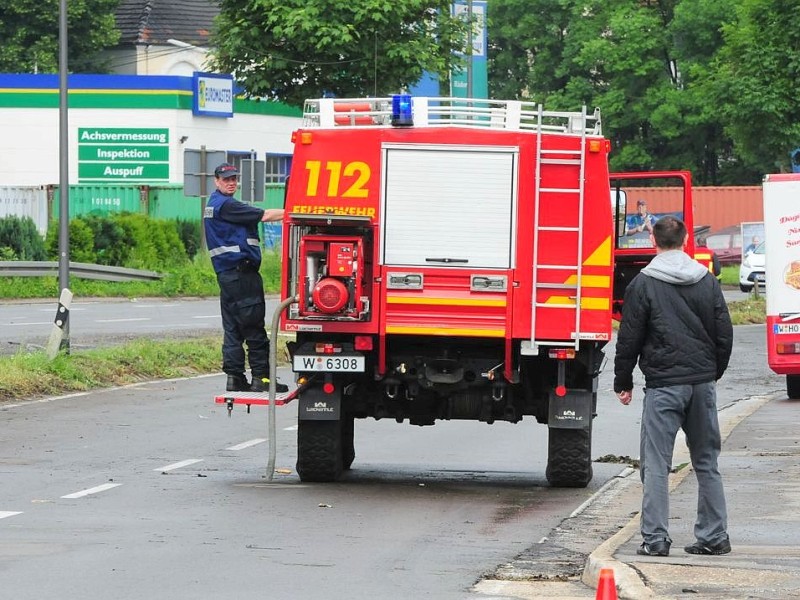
[[169, 202], [99, 200], [25, 201]]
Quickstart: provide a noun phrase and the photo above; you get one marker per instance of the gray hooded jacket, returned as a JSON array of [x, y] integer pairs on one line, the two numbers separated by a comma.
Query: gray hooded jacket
[[675, 323]]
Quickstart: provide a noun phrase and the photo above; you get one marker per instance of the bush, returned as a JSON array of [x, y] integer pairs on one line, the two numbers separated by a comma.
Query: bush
[[189, 232], [81, 241], [20, 240], [122, 240]]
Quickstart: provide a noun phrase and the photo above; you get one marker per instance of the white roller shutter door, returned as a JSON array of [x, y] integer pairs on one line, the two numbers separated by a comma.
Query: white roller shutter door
[[453, 203]]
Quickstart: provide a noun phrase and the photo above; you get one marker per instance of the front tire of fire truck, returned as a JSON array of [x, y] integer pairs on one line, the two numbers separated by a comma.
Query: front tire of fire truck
[[569, 457], [793, 387], [319, 450]]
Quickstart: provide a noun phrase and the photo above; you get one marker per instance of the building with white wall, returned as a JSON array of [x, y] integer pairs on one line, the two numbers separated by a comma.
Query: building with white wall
[[134, 129]]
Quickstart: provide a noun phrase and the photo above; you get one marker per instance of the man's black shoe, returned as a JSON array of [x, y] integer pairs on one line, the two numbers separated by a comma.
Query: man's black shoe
[[237, 383], [655, 549], [261, 384], [721, 547]]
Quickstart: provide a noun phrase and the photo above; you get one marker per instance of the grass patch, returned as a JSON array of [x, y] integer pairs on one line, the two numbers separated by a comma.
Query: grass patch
[[729, 275], [26, 375], [31, 374], [748, 312]]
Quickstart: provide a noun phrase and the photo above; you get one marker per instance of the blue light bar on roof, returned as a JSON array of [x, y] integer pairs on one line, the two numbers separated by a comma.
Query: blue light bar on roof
[[401, 111]]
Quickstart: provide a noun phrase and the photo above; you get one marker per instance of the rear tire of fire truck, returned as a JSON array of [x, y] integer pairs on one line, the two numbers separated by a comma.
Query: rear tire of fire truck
[[319, 450], [569, 457], [793, 387]]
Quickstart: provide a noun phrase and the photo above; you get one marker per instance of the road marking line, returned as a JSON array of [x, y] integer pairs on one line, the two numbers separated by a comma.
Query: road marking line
[[290, 428], [247, 444], [33, 323], [178, 465], [9, 513], [94, 490], [121, 320]]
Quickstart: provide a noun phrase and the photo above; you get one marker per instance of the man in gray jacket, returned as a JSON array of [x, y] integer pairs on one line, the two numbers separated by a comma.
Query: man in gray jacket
[[675, 323]]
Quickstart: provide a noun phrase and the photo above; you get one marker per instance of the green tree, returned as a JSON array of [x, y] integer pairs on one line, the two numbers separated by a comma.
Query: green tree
[[526, 44], [647, 64], [29, 34], [757, 83], [295, 49], [20, 240]]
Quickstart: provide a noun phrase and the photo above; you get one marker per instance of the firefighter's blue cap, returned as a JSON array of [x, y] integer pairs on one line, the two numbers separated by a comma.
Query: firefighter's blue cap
[[226, 170]]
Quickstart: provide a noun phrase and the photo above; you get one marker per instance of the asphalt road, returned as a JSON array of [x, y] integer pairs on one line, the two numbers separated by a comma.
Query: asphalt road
[[25, 325], [152, 491]]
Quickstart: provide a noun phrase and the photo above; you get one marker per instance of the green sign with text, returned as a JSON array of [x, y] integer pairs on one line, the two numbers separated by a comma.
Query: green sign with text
[[123, 155]]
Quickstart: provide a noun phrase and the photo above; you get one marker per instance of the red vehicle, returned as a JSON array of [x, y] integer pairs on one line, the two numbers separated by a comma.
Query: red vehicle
[[782, 243], [457, 261]]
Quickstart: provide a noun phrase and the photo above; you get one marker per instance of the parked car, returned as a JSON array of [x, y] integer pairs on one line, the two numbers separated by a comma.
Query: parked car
[[753, 269], [727, 244]]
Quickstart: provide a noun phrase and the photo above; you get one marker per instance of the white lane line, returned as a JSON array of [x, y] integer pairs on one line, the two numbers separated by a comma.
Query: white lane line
[[94, 490], [122, 320], [9, 513], [290, 428], [247, 444], [33, 323], [178, 465]]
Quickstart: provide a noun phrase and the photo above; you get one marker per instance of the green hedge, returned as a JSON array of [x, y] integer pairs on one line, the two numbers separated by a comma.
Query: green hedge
[[20, 240], [119, 240]]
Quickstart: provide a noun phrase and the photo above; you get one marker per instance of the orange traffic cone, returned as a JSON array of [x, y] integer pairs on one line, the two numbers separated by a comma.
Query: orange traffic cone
[[606, 588]]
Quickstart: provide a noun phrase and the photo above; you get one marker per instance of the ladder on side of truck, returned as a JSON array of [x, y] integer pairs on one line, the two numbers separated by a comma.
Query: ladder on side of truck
[[547, 157]]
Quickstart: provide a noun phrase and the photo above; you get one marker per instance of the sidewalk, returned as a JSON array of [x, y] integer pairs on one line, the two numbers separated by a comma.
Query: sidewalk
[[760, 465]]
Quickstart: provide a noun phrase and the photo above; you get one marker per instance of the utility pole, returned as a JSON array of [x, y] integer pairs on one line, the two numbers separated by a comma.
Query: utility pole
[[63, 176]]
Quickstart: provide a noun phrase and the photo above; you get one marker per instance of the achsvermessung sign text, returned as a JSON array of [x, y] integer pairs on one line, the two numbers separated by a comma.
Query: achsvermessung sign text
[[120, 155]]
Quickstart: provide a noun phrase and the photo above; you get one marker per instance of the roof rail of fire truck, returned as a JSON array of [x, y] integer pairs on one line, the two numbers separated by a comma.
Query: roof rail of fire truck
[[448, 112]]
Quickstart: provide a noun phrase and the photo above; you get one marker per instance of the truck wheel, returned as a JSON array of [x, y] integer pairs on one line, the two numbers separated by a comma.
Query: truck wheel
[[793, 386], [569, 457], [319, 450], [348, 448], [746, 288]]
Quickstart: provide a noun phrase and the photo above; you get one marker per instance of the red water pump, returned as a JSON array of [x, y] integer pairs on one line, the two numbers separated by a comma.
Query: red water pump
[[331, 275]]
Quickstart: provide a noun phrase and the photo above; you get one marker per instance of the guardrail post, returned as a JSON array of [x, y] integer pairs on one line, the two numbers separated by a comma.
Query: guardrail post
[[59, 335]]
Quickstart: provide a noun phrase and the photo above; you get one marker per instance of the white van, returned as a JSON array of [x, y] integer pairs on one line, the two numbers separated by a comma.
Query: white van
[[782, 245]]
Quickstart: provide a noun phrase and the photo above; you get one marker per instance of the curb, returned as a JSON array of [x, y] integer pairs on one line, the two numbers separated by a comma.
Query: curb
[[628, 580]]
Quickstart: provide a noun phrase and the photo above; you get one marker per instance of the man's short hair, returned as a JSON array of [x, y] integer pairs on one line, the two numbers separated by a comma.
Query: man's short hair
[[641, 203], [669, 233]]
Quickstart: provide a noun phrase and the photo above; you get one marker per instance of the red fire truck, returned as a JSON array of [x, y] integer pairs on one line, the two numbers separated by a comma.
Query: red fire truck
[[452, 259]]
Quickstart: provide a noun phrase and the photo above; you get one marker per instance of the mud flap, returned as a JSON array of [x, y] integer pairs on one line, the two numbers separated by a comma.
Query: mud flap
[[573, 411], [316, 405]]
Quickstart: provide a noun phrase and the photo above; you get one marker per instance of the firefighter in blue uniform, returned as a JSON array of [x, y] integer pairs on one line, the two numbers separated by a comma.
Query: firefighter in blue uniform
[[231, 229]]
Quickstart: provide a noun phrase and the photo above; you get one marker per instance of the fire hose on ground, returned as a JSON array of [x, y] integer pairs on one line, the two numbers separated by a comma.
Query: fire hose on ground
[[273, 374]]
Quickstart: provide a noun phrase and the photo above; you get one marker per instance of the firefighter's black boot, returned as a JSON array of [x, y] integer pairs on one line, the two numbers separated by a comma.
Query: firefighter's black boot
[[261, 384], [237, 383]]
